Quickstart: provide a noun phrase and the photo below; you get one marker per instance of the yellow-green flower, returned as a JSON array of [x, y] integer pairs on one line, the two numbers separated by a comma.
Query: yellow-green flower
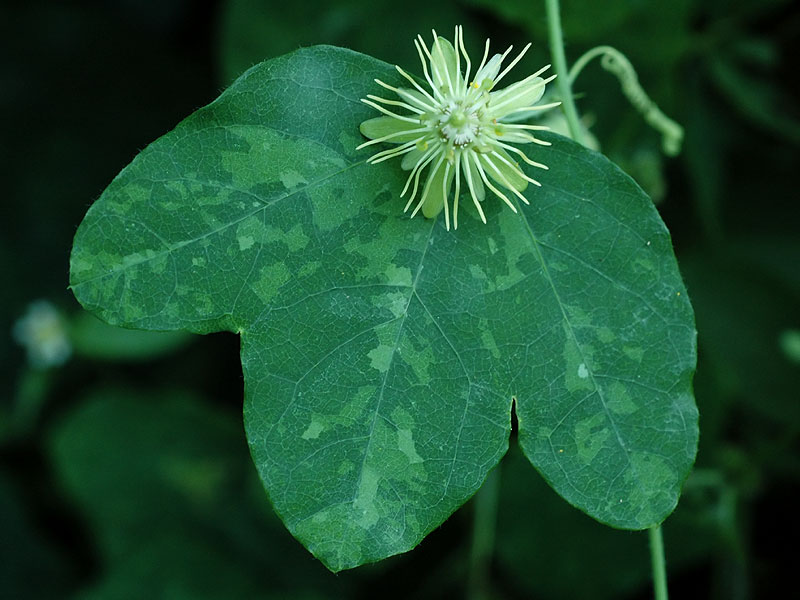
[[458, 127]]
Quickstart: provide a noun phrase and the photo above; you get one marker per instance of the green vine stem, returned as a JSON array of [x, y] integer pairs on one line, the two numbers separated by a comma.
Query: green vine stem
[[483, 534], [563, 81], [658, 563], [613, 61], [672, 133]]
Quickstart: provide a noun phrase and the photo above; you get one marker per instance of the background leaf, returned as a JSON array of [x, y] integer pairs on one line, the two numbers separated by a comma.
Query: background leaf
[[164, 483], [30, 565], [555, 552], [382, 355], [251, 31]]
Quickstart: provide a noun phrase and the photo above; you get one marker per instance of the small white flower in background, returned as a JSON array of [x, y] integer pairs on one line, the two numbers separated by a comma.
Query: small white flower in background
[[43, 333], [457, 128]]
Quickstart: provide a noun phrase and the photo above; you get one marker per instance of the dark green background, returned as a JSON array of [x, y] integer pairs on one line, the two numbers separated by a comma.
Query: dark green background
[[123, 478]]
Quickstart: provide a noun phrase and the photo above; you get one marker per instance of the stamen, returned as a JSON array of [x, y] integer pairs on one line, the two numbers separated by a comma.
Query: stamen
[[458, 58], [389, 113], [415, 84], [392, 152], [523, 126], [523, 90], [538, 73], [504, 54], [427, 158], [423, 160], [458, 189], [547, 80], [517, 171], [405, 95], [534, 76], [444, 195], [438, 45], [490, 186], [513, 62], [464, 51], [532, 108], [503, 179], [386, 85], [468, 176], [427, 187], [521, 154], [425, 68], [520, 136], [396, 103], [525, 138], [390, 136], [483, 60]]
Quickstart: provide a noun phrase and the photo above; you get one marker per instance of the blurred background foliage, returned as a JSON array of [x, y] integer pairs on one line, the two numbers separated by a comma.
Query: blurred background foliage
[[124, 471]]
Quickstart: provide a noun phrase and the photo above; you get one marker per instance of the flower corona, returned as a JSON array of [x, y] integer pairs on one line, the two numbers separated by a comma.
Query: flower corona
[[458, 127]]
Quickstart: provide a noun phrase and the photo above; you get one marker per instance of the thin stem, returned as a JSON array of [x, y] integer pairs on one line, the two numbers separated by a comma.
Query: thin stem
[[658, 563], [584, 60], [563, 83], [560, 64], [32, 393], [615, 62], [483, 533]]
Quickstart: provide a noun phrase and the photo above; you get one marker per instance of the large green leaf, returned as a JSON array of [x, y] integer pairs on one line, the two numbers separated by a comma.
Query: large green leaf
[[382, 355]]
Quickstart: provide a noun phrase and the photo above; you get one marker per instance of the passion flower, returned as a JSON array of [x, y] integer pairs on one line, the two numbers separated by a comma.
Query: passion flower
[[460, 127]]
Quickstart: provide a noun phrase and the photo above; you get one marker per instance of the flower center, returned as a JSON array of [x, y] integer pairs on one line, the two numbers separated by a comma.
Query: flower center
[[458, 118], [459, 125]]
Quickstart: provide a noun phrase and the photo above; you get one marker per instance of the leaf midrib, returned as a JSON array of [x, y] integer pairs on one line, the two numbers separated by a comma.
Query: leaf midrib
[[395, 346]]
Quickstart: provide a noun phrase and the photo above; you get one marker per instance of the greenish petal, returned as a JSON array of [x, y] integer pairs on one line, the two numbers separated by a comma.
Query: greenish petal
[[436, 192], [471, 173], [503, 173], [443, 64], [412, 158], [383, 126], [517, 137], [489, 71], [414, 98], [519, 95]]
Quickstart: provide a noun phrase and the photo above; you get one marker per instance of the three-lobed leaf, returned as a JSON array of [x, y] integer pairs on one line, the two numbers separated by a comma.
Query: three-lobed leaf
[[382, 355]]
